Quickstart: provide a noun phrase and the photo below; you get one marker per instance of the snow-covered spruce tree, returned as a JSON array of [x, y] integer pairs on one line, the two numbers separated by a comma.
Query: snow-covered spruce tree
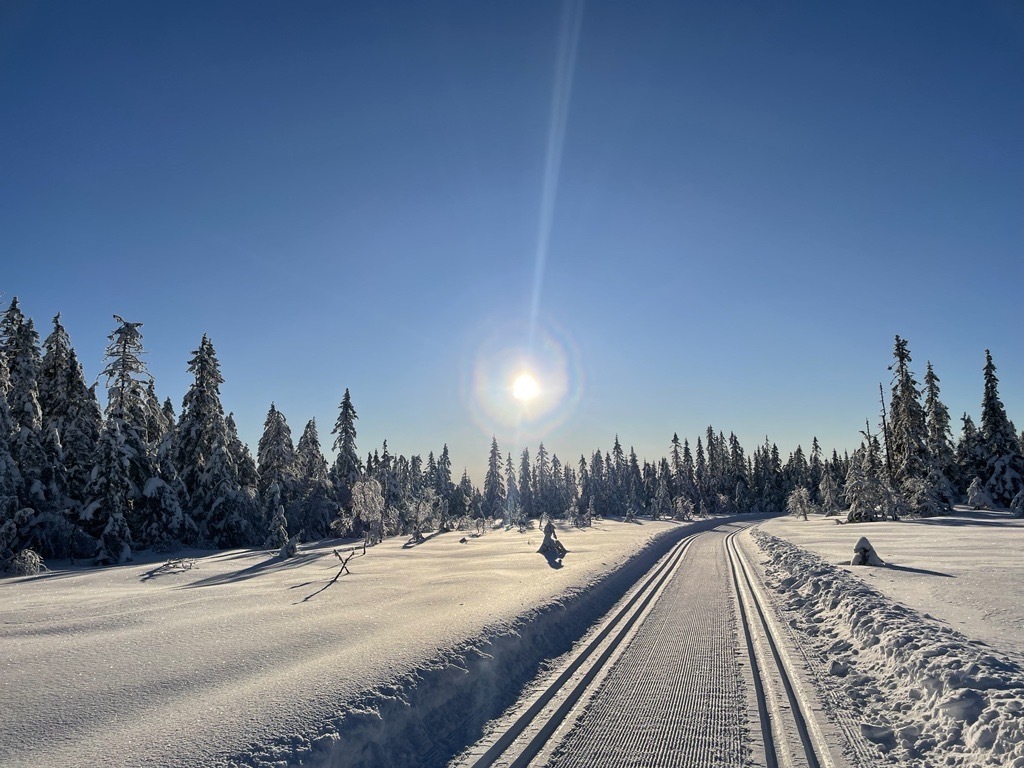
[[168, 524], [108, 511], [226, 512], [513, 510], [245, 465], [828, 492], [275, 462], [275, 454], [277, 536], [43, 525], [494, 487], [316, 501], [126, 373], [939, 443], [867, 493], [907, 436], [1004, 464], [10, 480], [69, 409], [527, 501], [347, 467], [970, 455], [662, 504], [445, 488]]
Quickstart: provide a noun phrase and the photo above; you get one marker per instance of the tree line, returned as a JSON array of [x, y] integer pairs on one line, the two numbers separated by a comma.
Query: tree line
[[83, 481]]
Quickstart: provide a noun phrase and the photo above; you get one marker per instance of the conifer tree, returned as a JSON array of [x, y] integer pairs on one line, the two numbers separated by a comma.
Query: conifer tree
[[317, 506], [226, 512], [513, 504], [277, 535], [69, 408], [245, 464], [527, 501], [125, 372], [347, 467], [494, 488], [1004, 464], [970, 454], [939, 443], [275, 455], [107, 514], [907, 432]]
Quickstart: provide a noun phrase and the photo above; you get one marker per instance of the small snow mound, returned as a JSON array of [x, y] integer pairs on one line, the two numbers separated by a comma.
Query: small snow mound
[[864, 553]]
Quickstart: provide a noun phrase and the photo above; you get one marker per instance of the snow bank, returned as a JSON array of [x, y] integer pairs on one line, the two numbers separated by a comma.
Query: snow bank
[[924, 694], [247, 659]]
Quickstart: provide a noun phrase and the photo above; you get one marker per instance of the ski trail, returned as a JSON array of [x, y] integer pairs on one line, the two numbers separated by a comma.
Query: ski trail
[[675, 696]]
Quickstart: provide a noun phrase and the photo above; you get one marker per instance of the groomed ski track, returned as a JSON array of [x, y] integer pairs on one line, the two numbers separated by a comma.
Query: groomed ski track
[[686, 671]]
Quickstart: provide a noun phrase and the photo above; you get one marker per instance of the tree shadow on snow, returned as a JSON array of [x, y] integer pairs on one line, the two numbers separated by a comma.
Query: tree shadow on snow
[[270, 565], [923, 571]]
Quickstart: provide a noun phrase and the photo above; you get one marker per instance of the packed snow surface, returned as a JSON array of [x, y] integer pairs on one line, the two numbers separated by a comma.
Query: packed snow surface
[[240, 657], [921, 653]]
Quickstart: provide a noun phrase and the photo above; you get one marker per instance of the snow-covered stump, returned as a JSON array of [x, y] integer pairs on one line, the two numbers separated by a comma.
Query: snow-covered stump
[[864, 553]]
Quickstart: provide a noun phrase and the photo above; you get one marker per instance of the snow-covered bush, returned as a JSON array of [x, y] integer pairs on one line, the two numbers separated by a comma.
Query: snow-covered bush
[[977, 496], [799, 503], [25, 563]]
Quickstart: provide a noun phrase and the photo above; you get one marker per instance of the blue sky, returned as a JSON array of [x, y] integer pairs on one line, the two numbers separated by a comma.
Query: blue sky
[[746, 204]]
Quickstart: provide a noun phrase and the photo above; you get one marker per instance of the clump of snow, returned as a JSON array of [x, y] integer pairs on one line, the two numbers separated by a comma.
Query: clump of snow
[[924, 694]]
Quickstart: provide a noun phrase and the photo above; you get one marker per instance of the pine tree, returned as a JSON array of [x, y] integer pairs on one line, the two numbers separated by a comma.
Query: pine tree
[[1004, 464], [513, 504], [275, 455], [245, 464], [107, 514], [226, 512], [444, 488], [125, 372], [347, 467], [168, 524], [317, 506], [277, 535], [494, 488], [939, 442], [970, 454], [908, 431], [69, 409], [527, 501]]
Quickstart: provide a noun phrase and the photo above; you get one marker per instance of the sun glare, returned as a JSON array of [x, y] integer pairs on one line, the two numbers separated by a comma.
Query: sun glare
[[525, 387]]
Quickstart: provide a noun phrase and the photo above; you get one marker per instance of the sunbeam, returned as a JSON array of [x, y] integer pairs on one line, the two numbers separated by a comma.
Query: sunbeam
[[569, 38]]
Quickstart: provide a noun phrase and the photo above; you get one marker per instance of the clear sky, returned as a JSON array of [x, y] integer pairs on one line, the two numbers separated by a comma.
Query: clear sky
[[681, 213]]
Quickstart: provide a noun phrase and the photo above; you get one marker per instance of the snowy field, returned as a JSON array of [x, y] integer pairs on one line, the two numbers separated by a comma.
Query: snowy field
[[246, 659], [965, 569], [921, 658]]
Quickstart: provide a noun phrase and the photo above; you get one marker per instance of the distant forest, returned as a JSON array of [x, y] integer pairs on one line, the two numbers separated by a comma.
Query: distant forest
[[81, 481]]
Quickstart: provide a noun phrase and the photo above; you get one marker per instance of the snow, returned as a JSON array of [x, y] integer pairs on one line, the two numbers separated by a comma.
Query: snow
[[248, 659], [923, 654], [242, 658]]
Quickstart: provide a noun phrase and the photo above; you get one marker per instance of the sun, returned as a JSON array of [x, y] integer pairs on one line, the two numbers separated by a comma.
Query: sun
[[525, 387]]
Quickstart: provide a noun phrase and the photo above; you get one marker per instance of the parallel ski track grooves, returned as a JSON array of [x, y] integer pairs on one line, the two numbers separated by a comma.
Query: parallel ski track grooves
[[620, 624], [739, 568]]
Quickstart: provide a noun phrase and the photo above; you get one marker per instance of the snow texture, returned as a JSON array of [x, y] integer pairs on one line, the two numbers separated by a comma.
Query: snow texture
[[250, 660], [922, 692]]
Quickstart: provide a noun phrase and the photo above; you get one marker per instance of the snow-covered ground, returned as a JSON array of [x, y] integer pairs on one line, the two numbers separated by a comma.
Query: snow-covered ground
[[247, 659], [923, 657]]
